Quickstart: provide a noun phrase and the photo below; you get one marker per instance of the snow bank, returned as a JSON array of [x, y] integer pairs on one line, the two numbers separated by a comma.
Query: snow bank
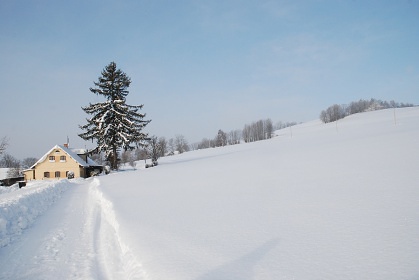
[[12, 188], [20, 208]]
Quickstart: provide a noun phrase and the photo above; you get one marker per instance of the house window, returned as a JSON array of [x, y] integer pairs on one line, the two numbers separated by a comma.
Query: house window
[[62, 158], [57, 151], [57, 174], [51, 158], [46, 174]]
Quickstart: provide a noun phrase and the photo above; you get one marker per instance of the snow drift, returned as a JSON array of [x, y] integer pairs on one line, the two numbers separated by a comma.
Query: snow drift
[[20, 208]]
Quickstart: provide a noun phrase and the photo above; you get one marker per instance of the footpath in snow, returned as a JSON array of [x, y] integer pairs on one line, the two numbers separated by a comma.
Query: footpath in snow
[[74, 237]]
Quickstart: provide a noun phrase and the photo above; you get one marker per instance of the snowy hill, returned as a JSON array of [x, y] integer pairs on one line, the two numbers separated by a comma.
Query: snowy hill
[[319, 201]]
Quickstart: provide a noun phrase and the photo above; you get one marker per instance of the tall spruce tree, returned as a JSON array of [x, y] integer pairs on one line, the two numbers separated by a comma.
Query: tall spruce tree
[[114, 124]]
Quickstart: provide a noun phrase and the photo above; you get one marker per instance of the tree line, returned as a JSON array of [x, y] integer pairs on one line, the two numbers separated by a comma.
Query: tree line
[[13, 164], [153, 148], [160, 146], [336, 112], [117, 127]]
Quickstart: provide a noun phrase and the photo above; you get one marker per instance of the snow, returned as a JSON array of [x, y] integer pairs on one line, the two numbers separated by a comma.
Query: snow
[[19, 208], [318, 201], [3, 173]]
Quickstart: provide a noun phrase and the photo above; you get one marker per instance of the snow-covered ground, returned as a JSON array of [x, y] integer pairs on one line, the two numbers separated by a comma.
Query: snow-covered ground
[[319, 201]]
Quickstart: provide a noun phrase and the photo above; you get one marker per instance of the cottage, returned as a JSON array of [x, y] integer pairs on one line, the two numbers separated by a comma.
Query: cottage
[[60, 162]]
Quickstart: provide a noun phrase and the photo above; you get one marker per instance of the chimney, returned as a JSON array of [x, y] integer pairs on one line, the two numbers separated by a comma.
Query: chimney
[[66, 145]]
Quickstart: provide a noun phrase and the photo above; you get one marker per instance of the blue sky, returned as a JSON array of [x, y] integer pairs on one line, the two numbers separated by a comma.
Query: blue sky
[[199, 66]]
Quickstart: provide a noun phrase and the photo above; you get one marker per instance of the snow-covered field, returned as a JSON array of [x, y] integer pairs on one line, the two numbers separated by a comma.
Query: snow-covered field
[[319, 201]]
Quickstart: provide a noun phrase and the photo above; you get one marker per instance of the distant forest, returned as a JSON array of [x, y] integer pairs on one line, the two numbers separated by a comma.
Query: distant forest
[[336, 112]]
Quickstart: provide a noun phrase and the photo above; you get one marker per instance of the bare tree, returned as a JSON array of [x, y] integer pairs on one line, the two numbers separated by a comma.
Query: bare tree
[[221, 139], [333, 113], [281, 125], [28, 162], [181, 144], [163, 146], [132, 162], [259, 131], [125, 156], [324, 117], [246, 133], [13, 172], [269, 128], [194, 146], [8, 161], [13, 164], [171, 146], [234, 137], [154, 150], [205, 143], [140, 154], [256, 131], [3, 144]]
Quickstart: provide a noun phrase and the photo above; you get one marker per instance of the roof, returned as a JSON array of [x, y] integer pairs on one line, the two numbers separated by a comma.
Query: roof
[[3, 173], [70, 153]]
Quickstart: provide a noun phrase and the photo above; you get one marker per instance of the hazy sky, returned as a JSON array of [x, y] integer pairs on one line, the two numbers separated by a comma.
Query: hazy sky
[[199, 66]]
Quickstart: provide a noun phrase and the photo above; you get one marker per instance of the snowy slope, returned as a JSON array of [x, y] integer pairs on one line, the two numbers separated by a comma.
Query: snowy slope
[[319, 201], [326, 203]]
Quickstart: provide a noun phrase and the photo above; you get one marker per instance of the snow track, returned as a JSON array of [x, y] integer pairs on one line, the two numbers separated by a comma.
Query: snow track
[[116, 258], [77, 237]]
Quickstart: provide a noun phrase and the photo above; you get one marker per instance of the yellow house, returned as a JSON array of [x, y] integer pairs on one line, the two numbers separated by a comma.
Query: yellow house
[[61, 161]]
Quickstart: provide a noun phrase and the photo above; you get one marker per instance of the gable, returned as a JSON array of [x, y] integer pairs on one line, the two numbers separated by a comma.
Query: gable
[[60, 154]]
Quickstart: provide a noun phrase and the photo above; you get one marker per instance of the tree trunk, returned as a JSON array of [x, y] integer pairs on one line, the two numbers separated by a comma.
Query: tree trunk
[[114, 159]]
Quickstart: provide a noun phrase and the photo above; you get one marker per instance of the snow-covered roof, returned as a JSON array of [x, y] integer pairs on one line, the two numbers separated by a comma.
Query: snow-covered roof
[[71, 153], [79, 151], [3, 173]]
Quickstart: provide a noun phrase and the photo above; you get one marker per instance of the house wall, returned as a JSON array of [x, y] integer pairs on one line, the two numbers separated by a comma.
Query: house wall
[[52, 166], [29, 174]]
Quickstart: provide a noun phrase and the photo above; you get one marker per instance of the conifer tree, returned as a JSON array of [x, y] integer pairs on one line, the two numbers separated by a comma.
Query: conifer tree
[[114, 124]]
